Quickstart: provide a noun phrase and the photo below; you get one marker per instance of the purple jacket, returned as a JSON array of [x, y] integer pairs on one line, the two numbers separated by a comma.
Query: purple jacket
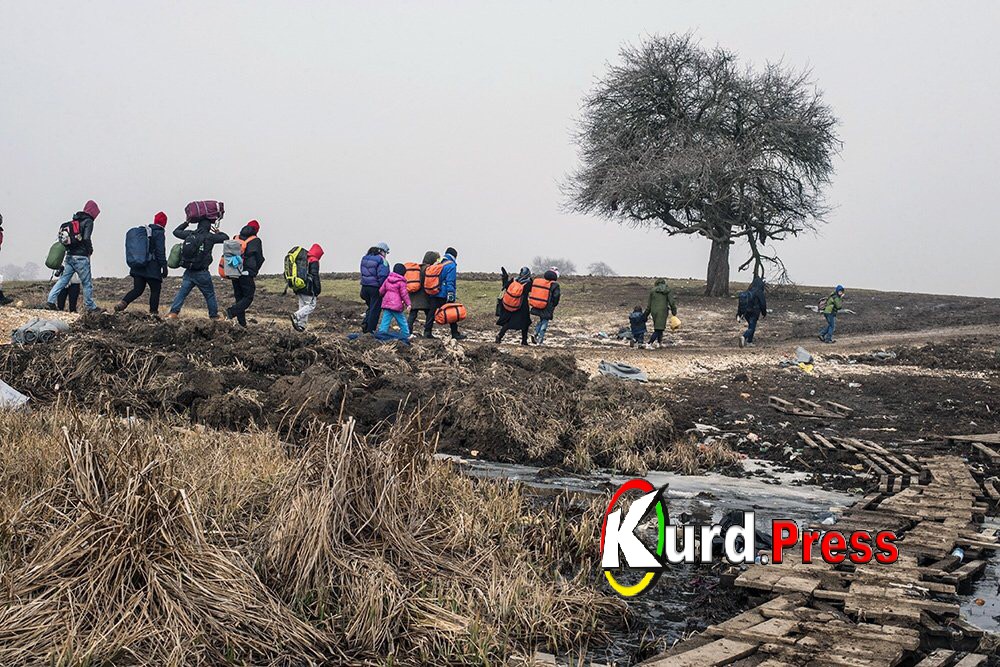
[[394, 294]]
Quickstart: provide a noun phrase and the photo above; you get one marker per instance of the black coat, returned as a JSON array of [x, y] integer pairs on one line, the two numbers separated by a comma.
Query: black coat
[[157, 266], [548, 312], [253, 256], [520, 318]]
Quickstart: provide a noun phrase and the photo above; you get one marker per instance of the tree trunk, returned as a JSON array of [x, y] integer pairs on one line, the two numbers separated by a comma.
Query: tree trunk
[[717, 283]]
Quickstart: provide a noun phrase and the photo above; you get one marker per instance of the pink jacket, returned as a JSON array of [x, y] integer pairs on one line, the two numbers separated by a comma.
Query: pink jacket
[[394, 294]]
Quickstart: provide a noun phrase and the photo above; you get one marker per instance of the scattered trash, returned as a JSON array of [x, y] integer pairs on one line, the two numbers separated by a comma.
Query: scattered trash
[[10, 398], [959, 553], [601, 335], [745, 396], [881, 355], [622, 371], [38, 331], [753, 437], [980, 601], [829, 521], [705, 428], [806, 368], [854, 385], [802, 355]]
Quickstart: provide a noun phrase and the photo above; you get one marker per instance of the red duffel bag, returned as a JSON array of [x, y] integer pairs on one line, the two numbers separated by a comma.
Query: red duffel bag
[[213, 210]]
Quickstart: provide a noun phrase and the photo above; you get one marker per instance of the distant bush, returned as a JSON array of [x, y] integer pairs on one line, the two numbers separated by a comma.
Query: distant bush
[[30, 271], [601, 269], [540, 265]]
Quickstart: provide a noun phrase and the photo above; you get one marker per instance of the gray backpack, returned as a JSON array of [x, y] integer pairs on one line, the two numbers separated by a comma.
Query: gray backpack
[[232, 259]]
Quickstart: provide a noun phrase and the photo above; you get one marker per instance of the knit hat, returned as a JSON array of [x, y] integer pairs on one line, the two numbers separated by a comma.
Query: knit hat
[[160, 219], [452, 252], [399, 268], [551, 275], [92, 209], [254, 225]]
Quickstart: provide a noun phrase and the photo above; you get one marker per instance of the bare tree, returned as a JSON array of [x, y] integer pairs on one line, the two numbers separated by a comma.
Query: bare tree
[[683, 138], [540, 265], [600, 269]]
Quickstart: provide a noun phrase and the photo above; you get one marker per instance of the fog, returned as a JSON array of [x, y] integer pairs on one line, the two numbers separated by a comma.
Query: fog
[[450, 123]]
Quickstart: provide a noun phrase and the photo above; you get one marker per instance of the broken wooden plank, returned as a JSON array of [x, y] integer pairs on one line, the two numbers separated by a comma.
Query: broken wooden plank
[[939, 658], [719, 652], [972, 660]]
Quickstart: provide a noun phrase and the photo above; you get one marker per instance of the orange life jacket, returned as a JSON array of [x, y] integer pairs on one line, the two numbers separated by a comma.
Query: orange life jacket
[[513, 296], [432, 279], [412, 275], [450, 313], [243, 251], [538, 297]]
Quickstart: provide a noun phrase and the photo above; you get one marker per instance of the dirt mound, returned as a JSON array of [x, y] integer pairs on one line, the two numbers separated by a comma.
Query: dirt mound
[[964, 354], [529, 409]]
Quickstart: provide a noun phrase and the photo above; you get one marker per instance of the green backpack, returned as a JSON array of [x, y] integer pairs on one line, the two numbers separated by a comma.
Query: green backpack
[[174, 258], [296, 269], [56, 256]]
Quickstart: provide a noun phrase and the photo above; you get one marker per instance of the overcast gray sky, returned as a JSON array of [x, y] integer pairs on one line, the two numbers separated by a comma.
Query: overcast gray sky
[[428, 124]]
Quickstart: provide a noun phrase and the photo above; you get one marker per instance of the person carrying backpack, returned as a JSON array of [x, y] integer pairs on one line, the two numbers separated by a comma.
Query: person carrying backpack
[[374, 271], [637, 325], [513, 311], [395, 301], [77, 236], [245, 284], [543, 299], [152, 273], [830, 306], [307, 295], [661, 303], [445, 291], [196, 257], [419, 301], [752, 306], [70, 296]]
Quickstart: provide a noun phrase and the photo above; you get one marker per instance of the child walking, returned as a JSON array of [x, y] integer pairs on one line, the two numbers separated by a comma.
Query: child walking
[[307, 295], [395, 301], [637, 323]]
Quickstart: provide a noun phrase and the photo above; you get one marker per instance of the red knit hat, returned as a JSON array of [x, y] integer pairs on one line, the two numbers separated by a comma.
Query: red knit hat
[[160, 219], [254, 225]]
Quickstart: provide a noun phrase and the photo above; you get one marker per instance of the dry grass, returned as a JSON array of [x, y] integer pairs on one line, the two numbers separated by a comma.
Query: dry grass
[[133, 542]]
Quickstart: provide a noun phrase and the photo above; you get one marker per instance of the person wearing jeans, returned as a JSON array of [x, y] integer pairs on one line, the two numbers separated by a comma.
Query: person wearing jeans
[[833, 303], [80, 266], [395, 300], [79, 247], [201, 279], [540, 329]]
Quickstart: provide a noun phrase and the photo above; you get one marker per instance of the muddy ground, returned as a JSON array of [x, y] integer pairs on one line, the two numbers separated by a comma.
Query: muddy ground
[[914, 368]]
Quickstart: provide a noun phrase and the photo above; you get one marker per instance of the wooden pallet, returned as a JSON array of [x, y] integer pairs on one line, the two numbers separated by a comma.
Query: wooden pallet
[[806, 408], [895, 470], [865, 614]]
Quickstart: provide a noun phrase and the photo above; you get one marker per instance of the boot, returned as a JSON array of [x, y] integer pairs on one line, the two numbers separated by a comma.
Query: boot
[[171, 316], [120, 306]]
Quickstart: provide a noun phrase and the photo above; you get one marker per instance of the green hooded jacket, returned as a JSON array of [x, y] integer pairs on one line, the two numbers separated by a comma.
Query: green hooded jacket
[[834, 302], [661, 304]]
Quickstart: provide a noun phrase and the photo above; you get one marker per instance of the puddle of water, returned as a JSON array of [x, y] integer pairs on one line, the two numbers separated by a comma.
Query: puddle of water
[[986, 588]]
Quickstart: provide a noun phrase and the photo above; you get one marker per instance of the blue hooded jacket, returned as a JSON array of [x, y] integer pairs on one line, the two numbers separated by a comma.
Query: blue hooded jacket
[[374, 270], [449, 275]]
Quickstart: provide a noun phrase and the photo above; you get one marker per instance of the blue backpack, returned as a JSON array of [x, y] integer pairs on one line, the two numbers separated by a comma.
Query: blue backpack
[[137, 246]]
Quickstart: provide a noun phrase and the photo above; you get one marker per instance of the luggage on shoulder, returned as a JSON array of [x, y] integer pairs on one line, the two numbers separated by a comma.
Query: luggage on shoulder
[[137, 246], [57, 255], [538, 297], [414, 281], [296, 268], [174, 258], [432, 279], [213, 210], [450, 313], [513, 296]]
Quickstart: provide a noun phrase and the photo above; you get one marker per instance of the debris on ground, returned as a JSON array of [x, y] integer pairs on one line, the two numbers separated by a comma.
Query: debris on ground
[[10, 398], [38, 330], [622, 371]]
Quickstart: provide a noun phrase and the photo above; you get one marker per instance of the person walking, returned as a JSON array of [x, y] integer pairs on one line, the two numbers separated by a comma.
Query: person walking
[[831, 305], [308, 294], [69, 296], [543, 299], [77, 236], [752, 306], [447, 292], [660, 304], [152, 273], [513, 312], [419, 301], [196, 257], [374, 271], [395, 299], [245, 285]]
